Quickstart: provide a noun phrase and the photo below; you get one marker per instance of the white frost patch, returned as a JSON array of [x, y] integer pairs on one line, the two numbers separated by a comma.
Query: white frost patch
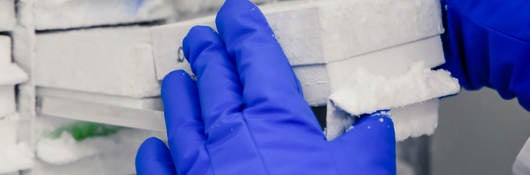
[[115, 153], [15, 157], [66, 150], [366, 93], [63, 150]]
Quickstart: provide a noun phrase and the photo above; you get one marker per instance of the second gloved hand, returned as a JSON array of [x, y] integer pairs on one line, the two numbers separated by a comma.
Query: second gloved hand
[[246, 114]]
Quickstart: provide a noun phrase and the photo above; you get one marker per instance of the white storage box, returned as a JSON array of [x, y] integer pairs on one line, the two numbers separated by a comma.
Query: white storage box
[[115, 61], [5, 50], [119, 61], [7, 15], [10, 75], [53, 14], [186, 8]]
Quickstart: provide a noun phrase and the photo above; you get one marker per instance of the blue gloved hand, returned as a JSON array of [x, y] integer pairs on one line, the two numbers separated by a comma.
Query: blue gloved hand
[[487, 43], [246, 113]]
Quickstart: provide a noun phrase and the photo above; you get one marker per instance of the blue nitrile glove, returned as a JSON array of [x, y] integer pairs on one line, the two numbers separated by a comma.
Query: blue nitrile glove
[[487, 43], [246, 113]]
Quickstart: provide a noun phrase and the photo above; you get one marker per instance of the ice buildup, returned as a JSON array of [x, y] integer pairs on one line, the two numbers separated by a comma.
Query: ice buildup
[[366, 93]]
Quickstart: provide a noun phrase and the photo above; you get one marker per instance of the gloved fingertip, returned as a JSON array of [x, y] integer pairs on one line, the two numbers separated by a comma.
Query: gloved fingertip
[[154, 157], [377, 126], [174, 78], [377, 119], [236, 16], [174, 85], [230, 5], [152, 147], [198, 39]]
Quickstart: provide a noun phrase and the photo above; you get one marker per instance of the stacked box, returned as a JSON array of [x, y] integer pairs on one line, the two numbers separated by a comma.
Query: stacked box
[[98, 52], [7, 15], [10, 75], [7, 90], [318, 37], [53, 14], [14, 156], [112, 61], [187, 9]]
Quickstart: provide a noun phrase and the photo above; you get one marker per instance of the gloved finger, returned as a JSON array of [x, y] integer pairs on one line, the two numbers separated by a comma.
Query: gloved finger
[[269, 83], [185, 129], [221, 103], [371, 143], [217, 79], [153, 157], [263, 67]]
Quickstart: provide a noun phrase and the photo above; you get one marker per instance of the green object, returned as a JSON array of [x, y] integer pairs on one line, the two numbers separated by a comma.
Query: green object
[[83, 130]]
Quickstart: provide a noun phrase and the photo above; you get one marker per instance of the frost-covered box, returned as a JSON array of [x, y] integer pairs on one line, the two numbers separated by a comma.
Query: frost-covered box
[[112, 75]]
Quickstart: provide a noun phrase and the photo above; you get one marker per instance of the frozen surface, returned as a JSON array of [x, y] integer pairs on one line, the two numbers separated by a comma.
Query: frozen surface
[[389, 78], [367, 93], [113, 61], [318, 32], [415, 120], [60, 14], [5, 49], [109, 155], [409, 121], [521, 166], [363, 82], [15, 157], [7, 15]]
